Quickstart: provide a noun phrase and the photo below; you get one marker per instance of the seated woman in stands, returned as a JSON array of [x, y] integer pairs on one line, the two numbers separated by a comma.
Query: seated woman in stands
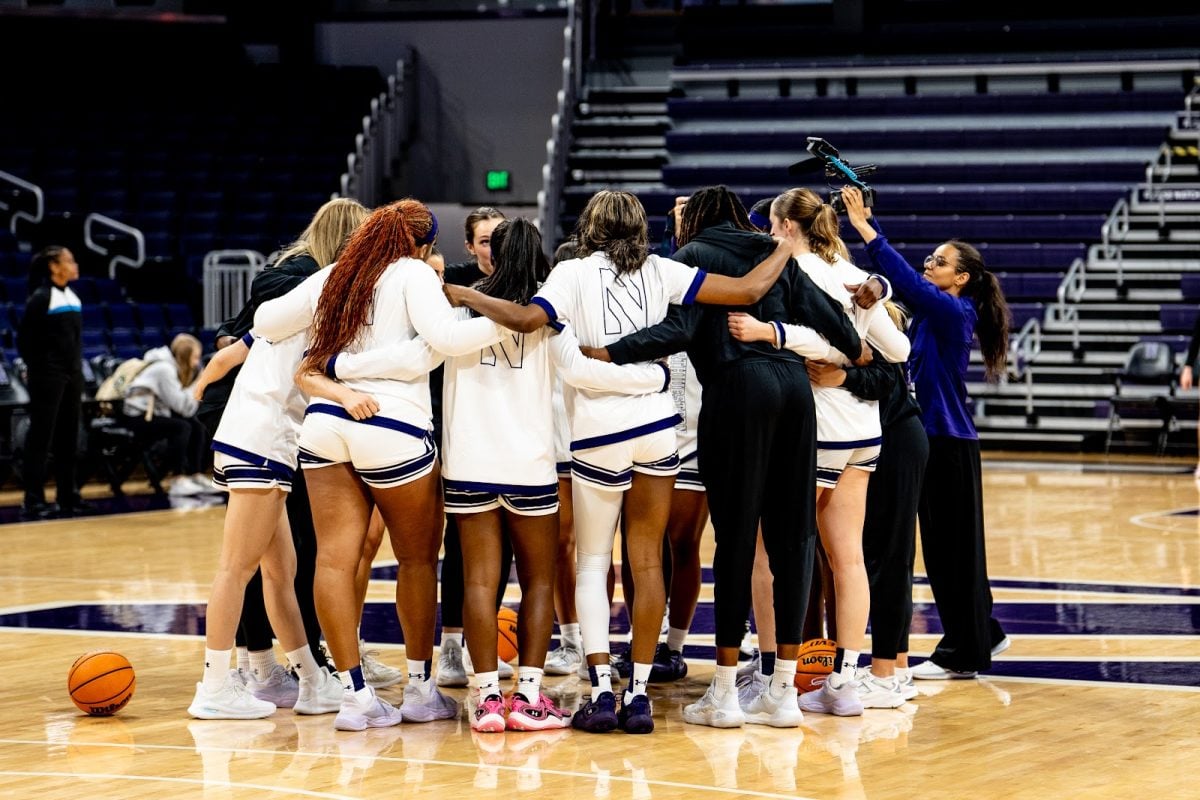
[[158, 405]]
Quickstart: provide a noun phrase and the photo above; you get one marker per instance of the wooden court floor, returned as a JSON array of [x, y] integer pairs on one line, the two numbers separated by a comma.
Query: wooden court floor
[[1096, 576]]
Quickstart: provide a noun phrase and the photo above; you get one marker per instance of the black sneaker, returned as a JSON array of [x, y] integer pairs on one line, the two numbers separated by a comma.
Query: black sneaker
[[597, 716], [668, 665], [623, 664], [39, 511], [636, 715], [78, 508]]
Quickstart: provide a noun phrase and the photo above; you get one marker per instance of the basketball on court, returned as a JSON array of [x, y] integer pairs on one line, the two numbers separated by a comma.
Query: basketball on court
[[101, 682], [814, 663], [506, 634]]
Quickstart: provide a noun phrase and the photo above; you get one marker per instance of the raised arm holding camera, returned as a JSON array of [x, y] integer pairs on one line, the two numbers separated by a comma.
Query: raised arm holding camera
[[953, 301]]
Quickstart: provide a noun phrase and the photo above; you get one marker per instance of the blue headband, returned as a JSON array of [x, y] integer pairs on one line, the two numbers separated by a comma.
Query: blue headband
[[759, 220], [430, 237]]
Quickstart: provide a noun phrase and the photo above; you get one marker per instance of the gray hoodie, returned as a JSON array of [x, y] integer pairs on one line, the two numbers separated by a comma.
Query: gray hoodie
[[159, 380]]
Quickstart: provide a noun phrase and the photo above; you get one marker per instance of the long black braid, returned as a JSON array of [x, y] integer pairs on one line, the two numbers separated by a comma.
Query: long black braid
[[520, 264]]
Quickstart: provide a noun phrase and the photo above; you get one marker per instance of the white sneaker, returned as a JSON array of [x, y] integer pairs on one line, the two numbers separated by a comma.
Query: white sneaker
[[231, 701], [751, 667], [450, 668], [426, 703], [716, 711], [321, 695], [279, 687], [1001, 646], [375, 673], [929, 671], [203, 484], [841, 702], [904, 683], [875, 692], [184, 486], [778, 712], [371, 712], [503, 668], [563, 660], [750, 686]]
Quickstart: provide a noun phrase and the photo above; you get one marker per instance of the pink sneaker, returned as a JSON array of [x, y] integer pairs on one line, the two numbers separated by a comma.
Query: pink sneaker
[[489, 715], [540, 716]]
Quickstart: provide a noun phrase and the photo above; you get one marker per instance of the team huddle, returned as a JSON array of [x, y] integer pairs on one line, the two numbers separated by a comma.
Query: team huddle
[[757, 380]]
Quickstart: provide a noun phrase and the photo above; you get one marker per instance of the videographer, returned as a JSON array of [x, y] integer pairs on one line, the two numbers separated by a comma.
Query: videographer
[[954, 300]]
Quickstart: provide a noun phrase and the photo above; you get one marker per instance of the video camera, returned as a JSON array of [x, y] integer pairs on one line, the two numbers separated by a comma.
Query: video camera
[[826, 155]]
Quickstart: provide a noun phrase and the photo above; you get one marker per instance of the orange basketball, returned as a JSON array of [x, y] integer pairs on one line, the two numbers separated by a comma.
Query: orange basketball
[[814, 663], [506, 634], [101, 682]]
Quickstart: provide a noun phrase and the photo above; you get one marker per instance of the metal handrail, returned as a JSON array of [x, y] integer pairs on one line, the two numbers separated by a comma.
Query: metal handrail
[[1116, 225], [139, 240], [1162, 158], [1026, 347], [39, 201], [558, 146], [228, 275], [378, 144]]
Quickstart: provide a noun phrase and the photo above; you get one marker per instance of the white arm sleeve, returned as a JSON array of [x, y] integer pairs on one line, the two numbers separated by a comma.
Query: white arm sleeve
[[440, 324], [883, 334], [404, 361], [284, 316], [582, 372], [802, 340]]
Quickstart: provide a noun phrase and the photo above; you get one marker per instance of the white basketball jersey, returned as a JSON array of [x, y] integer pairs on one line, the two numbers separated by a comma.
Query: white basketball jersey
[[266, 407], [408, 301], [603, 307], [685, 393]]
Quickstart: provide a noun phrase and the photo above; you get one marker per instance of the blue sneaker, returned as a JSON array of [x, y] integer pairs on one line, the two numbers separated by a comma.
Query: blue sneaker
[[597, 716], [668, 665], [636, 716]]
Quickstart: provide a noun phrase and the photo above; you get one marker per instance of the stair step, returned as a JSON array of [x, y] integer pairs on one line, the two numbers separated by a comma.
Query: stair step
[[1133, 295], [591, 181], [624, 142], [622, 109]]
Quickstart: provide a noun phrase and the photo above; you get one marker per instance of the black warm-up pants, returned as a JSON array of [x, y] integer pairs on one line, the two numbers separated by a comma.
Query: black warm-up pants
[[758, 460], [54, 408], [952, 544], [889, 533]]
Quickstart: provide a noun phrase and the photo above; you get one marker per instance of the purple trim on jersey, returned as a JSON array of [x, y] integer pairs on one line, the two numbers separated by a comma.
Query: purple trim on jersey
[[626, 435], [499, 488], [600, 475], [379, 422], [401, 471], [330, 368], [243, 474], [878, 440], [546, 306], [887, 285], [307, 457], [254, 459], [666, 377], [781, 333], [692, 456], [248, 340], [694, 289]]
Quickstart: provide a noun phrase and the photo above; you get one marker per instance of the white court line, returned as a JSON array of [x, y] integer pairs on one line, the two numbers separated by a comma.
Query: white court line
[[695, 787], [1158, 687], [193, 781]]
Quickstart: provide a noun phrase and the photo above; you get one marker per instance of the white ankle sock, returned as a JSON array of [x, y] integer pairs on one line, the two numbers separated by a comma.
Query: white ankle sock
[[675, 639], [529, 683], [301, 660], [569, 634], [603, 680], [783, 677], [641, 679], [261, 663], [216, 669]]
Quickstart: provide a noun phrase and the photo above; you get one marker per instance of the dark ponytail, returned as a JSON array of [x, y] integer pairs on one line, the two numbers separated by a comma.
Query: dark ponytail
[[984, 291]]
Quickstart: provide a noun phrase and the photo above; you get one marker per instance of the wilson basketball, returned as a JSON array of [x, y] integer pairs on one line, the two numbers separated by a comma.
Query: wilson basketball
[[101, 682], [814, 663], [506, 634]]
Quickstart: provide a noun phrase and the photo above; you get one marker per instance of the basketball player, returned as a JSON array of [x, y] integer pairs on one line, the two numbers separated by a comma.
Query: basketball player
[[624, 452], [380, 292]]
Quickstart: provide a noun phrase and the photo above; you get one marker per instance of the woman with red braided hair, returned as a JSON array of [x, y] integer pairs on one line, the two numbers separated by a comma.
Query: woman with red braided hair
[[379, 293]]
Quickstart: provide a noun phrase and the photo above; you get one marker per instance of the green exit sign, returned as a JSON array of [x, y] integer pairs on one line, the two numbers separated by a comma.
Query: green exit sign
[[498, 180]]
